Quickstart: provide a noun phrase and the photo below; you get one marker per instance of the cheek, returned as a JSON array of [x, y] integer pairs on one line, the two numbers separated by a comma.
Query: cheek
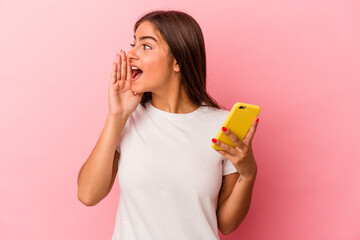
[[157, 71], [157, 77]]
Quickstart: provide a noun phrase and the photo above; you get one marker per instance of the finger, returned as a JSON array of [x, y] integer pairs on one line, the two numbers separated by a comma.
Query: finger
[[129, 73], [113, 73], [123, 65], [118, 73], [250, 134], [233, 137], [232, 151]]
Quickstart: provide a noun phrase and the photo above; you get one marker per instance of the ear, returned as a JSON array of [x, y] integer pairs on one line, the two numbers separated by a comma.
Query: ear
[[176, 66]]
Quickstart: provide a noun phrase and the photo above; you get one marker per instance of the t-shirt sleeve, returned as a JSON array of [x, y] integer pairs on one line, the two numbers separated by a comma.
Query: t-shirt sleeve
[[228, 167]]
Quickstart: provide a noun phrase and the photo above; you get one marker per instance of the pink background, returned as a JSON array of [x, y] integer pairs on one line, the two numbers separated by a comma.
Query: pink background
[[298, 60]]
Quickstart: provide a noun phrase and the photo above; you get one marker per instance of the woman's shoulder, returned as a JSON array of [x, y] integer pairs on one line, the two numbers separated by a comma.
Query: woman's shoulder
[[216, 114], [217, 111]]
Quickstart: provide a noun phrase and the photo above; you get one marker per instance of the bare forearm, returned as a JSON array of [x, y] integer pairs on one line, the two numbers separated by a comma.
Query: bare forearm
[[234, 209], [95, 175]]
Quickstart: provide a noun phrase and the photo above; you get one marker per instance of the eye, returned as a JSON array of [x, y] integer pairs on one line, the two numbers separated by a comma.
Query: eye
[[147, 46]]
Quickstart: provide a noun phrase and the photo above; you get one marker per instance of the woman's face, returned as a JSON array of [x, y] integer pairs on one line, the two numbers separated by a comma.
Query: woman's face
[[150, 53]]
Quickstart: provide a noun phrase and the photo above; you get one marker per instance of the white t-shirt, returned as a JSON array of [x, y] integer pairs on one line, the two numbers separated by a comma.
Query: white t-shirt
[[169, 175]]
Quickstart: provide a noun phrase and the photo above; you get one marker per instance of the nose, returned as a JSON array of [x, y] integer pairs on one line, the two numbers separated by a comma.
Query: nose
[[131, 54]]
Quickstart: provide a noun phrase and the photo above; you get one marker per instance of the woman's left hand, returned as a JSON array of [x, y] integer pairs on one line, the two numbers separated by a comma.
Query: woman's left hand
[[241, 156]]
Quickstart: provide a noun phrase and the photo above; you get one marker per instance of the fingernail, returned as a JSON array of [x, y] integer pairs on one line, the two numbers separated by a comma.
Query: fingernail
[[214, 140], [224, 129], [257, 120]]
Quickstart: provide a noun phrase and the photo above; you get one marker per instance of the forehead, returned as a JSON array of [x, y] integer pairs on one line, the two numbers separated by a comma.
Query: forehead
[[147, 29]]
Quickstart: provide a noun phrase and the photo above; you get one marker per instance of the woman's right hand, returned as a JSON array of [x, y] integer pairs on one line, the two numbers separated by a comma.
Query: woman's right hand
[[122, 101]]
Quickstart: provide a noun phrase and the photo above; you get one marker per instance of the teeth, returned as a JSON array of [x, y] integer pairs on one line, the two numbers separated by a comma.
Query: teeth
[[134, 68]]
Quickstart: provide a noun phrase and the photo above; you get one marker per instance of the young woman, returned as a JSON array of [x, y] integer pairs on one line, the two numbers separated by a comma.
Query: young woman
[[173, 184]]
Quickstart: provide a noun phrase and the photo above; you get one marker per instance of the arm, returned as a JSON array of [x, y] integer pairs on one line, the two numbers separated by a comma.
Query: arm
[[235, 207], [97, 174]]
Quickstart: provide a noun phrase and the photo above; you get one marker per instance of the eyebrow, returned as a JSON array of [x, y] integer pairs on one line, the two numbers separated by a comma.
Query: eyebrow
[[144, 37]]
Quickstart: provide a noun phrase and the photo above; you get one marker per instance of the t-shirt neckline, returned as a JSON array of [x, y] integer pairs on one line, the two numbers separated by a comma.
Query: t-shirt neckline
[[151, 109]]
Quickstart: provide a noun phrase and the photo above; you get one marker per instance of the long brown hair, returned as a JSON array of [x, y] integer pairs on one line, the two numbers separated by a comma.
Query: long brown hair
[[186, 43]]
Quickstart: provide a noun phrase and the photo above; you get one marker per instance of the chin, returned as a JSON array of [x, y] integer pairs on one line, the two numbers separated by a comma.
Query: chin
[[134, 89]]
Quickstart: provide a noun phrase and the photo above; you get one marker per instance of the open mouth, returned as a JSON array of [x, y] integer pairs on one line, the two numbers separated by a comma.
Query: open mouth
[[136, 73]]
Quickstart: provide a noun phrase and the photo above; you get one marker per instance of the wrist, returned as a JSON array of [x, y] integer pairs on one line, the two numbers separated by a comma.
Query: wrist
[[117, 117]]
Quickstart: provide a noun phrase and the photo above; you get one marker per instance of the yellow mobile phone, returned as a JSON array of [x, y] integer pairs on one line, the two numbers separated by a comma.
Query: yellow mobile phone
[[238, 121]]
